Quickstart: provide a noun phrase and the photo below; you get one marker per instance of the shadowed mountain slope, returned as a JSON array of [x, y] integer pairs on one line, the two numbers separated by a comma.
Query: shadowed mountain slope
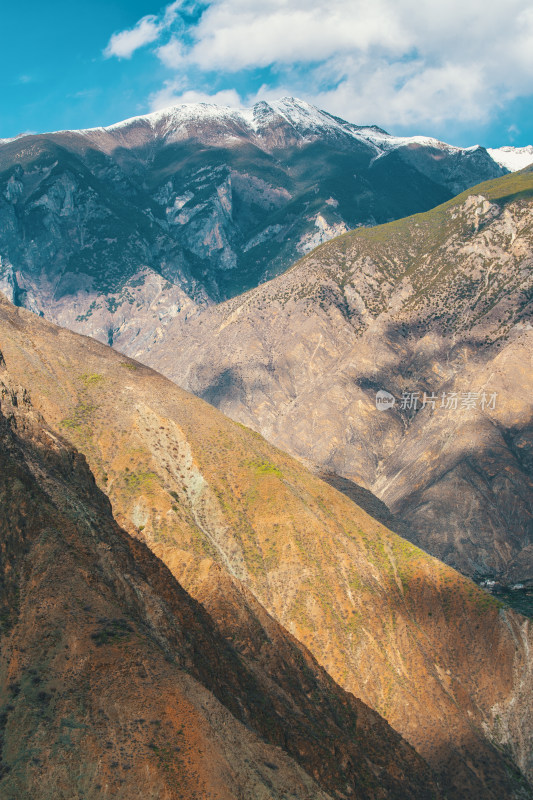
[[440, 659], [436, 306], [114, 682]]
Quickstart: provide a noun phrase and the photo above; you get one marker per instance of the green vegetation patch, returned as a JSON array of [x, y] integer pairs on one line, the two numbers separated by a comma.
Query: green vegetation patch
[[88, 313], [80, 416], [111, 631], [143, 479], [91, 379], [265, 468]]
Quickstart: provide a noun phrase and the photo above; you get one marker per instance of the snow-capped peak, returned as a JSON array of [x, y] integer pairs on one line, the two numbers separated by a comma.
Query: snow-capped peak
[[307, 121], [186, 112], [513, 158], [298, 113]]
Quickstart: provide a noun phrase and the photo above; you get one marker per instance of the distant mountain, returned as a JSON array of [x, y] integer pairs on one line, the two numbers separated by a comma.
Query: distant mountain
[[115, 675], [512, 158], [436, 310], [114, 231]]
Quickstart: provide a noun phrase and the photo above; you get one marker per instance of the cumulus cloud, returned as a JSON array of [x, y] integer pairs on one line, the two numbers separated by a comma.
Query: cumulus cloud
[[125, 43], [236, 34], [393, 62], [147, 30], [172, 54], [407, 93]]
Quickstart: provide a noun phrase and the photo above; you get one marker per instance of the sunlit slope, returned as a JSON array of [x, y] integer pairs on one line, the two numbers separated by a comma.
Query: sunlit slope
[[436, 656], [115, 682]]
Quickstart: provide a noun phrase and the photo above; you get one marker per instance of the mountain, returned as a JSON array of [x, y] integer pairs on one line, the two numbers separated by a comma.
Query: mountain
[[512, 158], [438, 306], [114, 682], [248, 532], [115, 231]]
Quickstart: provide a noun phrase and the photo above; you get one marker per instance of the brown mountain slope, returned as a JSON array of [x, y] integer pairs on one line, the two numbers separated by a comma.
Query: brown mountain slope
[[426, 648], [115, 683], [436, 305]]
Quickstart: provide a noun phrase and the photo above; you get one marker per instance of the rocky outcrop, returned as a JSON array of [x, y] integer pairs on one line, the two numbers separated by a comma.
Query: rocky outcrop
[[239, 523]]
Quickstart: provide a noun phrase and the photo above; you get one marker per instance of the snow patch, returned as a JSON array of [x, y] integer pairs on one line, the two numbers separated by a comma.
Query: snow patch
[[513, 158]]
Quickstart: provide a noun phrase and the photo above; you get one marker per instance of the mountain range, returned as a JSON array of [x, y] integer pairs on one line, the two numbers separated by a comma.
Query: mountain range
[[145, 235], [112, 230], [189, 611]]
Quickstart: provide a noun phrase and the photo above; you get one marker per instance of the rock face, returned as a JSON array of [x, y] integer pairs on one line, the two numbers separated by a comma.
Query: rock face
[[436, 311], [114, 682], [249, 533], [115, 231]]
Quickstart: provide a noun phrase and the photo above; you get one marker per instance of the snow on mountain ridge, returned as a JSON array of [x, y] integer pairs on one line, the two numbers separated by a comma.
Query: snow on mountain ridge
[[296, 112], [307, 120], [513, 158]]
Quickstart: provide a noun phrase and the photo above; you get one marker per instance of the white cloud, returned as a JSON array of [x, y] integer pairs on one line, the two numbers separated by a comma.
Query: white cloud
[[232, 34], [125, 43], [239, 33], [171, 12], [392, 62], [147, 30], [172, 54], [406, 93]]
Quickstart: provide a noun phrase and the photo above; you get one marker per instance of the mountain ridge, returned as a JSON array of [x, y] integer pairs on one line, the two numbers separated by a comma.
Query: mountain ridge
[[300, 114], [203, 206], [88, 613]]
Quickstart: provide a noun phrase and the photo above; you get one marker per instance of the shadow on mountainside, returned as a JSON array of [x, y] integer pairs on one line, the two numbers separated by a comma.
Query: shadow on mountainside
[[119, 595], [449, 478], [106, 592]]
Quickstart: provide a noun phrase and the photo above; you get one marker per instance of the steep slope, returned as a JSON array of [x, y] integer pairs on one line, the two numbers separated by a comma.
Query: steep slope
[[435, 306], [115, 683], [431, 652], [114, 231]]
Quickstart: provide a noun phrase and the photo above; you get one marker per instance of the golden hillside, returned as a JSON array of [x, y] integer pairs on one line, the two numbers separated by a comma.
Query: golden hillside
[[422, 645]]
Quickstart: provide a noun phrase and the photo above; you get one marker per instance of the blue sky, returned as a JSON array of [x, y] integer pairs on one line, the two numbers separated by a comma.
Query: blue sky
[[460, 71]]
